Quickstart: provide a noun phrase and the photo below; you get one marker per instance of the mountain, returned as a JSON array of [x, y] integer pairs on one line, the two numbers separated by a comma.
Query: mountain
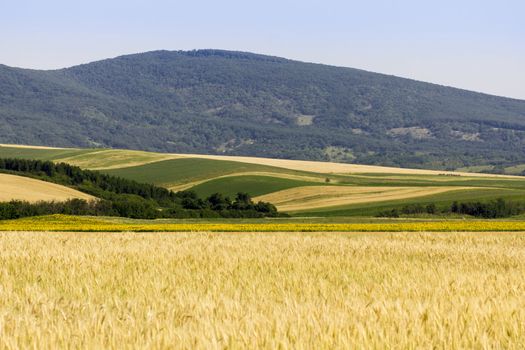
[[223, 102]]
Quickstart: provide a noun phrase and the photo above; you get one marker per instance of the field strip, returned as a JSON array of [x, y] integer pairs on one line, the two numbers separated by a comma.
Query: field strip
[[313, 197], [189, 185], [34, 147], [64, 223], [427, 178], [121, 158], [14, 187], [338, 168], [115, 159]]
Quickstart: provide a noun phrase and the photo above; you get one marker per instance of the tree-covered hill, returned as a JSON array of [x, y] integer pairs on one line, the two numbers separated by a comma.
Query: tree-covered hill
[[212, 101]]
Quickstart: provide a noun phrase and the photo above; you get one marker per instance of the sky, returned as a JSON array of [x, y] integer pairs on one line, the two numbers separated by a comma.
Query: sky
[[476, 45]]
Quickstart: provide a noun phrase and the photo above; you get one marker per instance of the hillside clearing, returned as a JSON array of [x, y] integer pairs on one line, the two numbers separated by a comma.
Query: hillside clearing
[[14, 187], [314, 197]]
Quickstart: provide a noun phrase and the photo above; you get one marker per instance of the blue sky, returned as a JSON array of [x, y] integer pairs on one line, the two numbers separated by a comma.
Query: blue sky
[[477, 45]]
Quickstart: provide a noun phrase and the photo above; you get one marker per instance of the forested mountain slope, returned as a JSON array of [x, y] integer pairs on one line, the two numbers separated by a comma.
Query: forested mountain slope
[[222, 102]]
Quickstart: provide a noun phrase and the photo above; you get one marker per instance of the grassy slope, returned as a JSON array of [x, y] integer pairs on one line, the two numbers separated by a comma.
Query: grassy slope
[[515, 170], [37, 153], [180, 171], [254, 185], [187, 170]]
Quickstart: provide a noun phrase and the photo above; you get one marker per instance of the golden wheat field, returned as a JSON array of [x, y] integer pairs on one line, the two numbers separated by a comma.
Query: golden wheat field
[[315, 197], [254, 290], [14, 187]]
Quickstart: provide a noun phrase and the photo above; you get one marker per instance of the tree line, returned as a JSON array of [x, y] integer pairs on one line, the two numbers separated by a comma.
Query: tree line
[[494, 209], [122, 197]]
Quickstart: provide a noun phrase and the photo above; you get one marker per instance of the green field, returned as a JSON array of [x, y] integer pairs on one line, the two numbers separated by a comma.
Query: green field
[[230, 176], [254, 185], [441, 200], [180, 171], [36, 153]]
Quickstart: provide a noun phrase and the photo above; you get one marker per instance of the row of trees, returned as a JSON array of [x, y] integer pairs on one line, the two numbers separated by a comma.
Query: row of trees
[[410, 209], [19, 209], [133, 208], [488, 210], [89, 181], [123, 197]]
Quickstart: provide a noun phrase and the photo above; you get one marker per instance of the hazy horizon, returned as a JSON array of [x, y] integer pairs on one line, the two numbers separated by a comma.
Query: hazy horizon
[[472, 45]]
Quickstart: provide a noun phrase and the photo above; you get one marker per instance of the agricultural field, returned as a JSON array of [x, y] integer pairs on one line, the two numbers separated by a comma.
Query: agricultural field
[[314, 197], [299, 188], [32, 190], [250, 290], [59, 222], [331, 275]]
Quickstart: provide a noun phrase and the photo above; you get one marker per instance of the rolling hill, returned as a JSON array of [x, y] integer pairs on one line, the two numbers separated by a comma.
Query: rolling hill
[[303, 188], [235, 103]]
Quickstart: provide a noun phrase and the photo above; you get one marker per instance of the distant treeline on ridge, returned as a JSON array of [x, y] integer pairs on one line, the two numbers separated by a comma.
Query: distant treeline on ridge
[[122, 197]]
